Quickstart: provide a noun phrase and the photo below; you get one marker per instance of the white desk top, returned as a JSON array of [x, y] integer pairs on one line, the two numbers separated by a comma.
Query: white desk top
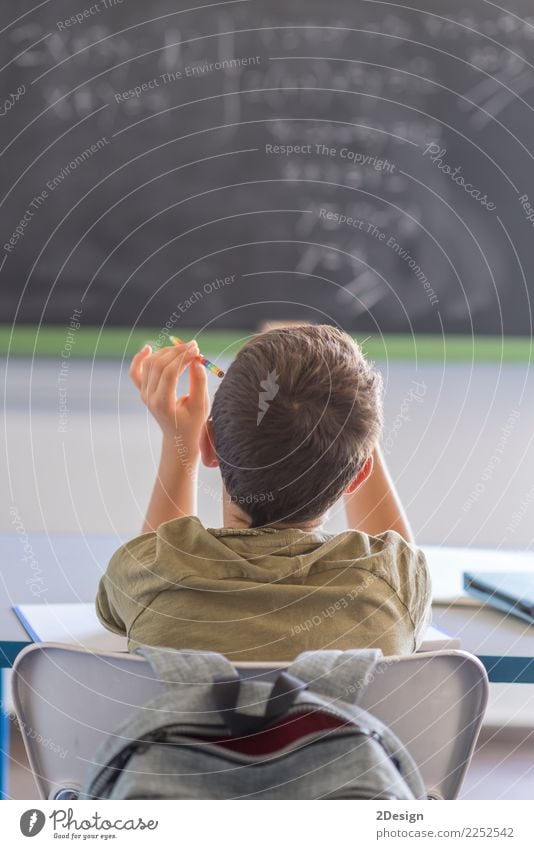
[[506, 641], [447, 566]]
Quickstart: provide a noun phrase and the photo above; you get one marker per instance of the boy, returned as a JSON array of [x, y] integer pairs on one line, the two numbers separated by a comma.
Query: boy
[[294, 425]]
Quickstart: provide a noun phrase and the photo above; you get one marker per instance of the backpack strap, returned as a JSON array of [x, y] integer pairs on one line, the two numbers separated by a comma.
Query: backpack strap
[[226, 692], [338, 675], [186, 666]]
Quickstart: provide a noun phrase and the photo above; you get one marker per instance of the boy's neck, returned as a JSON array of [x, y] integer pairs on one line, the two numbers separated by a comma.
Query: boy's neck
[[233, 517]]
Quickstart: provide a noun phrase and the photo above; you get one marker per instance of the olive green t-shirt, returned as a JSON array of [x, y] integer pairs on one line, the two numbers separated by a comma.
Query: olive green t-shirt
[[266, 594]]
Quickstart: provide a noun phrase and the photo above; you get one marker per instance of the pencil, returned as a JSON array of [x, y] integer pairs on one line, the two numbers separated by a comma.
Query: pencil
[[204, 360]]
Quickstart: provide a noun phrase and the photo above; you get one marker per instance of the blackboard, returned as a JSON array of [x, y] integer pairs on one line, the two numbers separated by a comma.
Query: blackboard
[[353, 162]]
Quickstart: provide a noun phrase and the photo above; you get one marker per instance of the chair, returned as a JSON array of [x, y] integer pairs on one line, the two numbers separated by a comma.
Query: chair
[[67, 700]]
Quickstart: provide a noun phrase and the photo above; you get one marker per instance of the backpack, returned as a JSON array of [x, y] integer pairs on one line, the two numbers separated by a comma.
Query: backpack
[[211, 734]]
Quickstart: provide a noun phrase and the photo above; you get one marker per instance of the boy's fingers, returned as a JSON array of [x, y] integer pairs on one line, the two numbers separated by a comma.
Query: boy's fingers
[[162, 380], [152, 366], [145, 361], [136, 366], [160, 358], [198, 388], [168, 379]]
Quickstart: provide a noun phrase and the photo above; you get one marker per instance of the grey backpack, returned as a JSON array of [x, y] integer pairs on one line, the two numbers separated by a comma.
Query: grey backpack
[[211, 734]]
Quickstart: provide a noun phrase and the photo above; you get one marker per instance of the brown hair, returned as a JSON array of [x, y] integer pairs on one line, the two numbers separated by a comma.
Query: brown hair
[[294, 419]]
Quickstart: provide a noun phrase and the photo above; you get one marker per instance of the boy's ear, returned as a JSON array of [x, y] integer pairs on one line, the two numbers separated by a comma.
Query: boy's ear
[[207, 446], [361, 477]]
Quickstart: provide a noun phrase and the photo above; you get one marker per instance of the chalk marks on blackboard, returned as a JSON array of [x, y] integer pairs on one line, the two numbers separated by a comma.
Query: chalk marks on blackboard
[[352, 93]]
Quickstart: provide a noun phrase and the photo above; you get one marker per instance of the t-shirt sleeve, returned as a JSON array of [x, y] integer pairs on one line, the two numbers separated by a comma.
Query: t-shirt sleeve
[[127, 584], [420, 596], [408, 574], [416, 589], [143, 568]]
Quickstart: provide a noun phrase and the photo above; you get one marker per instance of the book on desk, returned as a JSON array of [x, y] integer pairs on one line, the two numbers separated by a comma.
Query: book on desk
[[74, 624], [511, 592], [78, 625]]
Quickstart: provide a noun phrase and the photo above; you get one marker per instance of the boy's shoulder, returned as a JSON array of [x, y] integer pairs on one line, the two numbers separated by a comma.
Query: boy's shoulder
[[185, 546], [189, 530], [387, 546]]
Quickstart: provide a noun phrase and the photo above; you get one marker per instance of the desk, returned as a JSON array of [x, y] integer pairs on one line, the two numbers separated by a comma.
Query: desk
[[52, 569], [67, 568], [503, 643]]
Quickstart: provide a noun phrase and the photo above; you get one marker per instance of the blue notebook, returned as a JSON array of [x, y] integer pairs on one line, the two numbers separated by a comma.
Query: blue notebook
[[512, 592]]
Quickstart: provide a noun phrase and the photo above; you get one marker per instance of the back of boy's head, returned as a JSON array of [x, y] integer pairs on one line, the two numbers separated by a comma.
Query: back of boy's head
[[294, 419]]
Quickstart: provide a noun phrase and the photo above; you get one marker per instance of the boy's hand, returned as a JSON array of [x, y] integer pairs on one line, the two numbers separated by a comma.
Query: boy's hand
[[156, 376]]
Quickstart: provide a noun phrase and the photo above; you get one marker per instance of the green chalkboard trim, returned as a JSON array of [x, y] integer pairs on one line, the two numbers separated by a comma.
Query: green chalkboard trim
[[120, 342]]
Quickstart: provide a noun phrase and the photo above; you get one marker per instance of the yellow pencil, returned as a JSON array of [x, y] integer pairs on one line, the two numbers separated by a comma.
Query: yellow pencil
[[204, 360]]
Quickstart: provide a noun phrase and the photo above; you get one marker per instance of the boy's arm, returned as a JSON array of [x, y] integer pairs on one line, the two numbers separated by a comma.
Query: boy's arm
[[175, 489], [181, 420], [376, 507]]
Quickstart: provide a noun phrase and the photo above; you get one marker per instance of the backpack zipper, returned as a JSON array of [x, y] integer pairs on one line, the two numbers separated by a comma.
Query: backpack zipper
[[118, 763]]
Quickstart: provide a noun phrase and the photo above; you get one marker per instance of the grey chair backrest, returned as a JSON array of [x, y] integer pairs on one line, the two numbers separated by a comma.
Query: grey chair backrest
[[67, 699]]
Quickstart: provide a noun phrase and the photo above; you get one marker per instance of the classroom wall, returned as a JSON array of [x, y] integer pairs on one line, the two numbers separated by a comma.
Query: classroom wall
[[458, 440]]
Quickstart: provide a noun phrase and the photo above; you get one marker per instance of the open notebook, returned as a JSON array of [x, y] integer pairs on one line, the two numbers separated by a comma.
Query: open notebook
[[78, 625]]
